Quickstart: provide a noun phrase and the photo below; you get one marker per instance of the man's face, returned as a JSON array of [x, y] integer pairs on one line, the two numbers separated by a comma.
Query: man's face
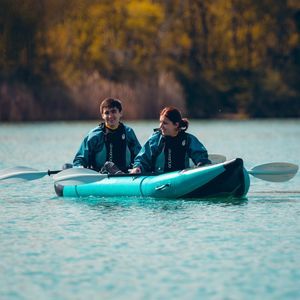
[[111, 117]]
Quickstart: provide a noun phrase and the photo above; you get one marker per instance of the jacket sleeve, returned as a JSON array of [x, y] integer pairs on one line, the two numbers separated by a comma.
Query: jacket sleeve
[[133, 143], [197, 152], [90, 145], [82, 157], [144, 158]]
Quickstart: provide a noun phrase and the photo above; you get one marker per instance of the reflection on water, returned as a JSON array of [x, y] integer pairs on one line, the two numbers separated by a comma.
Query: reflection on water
[[150, 203]]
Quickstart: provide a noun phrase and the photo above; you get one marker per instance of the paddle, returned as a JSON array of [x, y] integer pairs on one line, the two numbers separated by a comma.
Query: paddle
[[77, 176], [21, 174], [216, 158], [275, 172]]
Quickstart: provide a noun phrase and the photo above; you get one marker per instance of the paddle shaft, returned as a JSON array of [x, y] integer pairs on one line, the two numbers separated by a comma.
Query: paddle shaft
[[49, 172]]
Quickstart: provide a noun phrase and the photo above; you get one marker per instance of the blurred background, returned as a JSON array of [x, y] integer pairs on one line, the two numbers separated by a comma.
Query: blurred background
[[213, 59]]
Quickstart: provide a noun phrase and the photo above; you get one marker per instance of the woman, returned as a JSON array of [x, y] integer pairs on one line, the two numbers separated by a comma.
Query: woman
[[170, 147]]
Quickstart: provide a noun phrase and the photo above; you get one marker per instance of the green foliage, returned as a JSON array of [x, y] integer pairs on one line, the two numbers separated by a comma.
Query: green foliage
[[229, 56], [116, 37]]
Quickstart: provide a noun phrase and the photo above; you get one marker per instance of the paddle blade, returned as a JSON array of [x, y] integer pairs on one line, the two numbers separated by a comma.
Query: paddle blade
[[76, 176], [216, 158], [20, 174], [275, 172]]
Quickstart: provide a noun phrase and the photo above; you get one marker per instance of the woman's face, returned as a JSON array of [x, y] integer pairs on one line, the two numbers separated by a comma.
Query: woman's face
[[168, 128]]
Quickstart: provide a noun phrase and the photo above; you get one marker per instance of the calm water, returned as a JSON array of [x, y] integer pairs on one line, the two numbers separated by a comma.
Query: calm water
[[53, 248]]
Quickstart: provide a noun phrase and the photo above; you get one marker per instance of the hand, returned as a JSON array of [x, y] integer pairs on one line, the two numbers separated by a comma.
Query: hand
[[136, 170], [200, 164]]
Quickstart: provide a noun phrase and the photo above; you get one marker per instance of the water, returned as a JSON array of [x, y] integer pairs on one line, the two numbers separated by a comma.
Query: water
[[131, 248]]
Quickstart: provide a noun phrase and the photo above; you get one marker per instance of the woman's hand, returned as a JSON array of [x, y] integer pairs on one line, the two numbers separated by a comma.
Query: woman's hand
[[136, 170]]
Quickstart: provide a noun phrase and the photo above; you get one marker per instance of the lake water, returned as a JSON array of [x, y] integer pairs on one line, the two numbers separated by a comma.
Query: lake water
[[131, 248]]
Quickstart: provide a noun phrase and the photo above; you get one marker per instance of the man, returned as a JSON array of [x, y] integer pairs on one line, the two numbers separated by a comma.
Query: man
[[111, 141]]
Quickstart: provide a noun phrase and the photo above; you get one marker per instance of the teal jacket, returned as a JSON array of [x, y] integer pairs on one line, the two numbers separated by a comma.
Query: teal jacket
[[151, 158], [92, 151]]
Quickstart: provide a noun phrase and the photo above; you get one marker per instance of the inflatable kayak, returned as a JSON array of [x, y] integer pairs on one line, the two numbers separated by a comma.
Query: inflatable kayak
[[228, 179]]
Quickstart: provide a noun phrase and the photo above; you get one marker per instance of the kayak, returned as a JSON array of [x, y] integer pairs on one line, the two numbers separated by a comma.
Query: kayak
[[227, 179]]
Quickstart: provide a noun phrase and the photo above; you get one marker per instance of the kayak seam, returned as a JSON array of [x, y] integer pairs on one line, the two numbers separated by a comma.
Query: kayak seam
[[140, 186], [76, 191]]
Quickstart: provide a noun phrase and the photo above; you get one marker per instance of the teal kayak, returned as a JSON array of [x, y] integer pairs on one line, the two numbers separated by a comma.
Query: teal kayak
[[228, 179]]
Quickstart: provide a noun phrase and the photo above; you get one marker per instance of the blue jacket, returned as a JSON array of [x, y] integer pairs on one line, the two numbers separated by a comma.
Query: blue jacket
[[92, 151], [152, 157]]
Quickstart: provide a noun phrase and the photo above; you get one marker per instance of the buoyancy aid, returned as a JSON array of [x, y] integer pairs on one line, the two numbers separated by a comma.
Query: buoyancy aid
[[115, 144], [175, 152], [172, 154]]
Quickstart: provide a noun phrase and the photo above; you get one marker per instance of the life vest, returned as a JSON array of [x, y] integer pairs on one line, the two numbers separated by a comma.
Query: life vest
[[175, 152], [115, 144], [172, 154]]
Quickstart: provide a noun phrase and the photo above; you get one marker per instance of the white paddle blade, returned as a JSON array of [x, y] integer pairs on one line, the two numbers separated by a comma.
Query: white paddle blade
[[275, 172], [216, 158], [20, 174], [77, 176]]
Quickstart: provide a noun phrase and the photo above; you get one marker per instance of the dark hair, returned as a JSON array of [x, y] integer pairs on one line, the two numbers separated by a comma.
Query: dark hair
[[110, 103], [174, 115]]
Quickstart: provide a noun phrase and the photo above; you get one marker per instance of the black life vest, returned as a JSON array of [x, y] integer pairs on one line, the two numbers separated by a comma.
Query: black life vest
[[175, 152], [115, 143]]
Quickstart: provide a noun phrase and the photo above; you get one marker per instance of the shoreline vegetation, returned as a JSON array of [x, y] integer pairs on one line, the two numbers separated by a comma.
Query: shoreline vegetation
[[212, 59]]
